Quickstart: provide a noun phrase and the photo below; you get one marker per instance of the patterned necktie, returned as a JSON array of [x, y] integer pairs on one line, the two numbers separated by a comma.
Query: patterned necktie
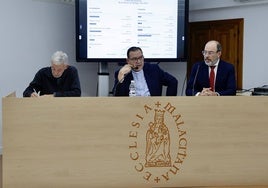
[[212, 78]]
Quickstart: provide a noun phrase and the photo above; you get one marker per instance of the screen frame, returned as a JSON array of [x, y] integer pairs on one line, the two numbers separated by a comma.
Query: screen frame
[[81, 45]]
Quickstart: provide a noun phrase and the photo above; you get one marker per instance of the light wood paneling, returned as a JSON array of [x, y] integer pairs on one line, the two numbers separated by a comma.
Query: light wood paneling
[[101, 142]]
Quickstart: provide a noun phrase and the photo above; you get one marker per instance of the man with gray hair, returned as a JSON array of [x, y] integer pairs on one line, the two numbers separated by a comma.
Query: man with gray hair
[[58, 80]]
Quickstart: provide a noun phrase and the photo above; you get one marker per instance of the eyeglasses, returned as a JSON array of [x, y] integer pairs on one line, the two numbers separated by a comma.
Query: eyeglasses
[[135, 59], [204, 52]]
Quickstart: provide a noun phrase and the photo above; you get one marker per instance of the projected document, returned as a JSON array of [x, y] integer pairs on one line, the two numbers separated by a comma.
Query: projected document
[[115, 25]]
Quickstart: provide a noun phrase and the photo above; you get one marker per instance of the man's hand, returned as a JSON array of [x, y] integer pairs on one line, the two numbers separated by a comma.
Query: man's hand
[[124, 71], [50, 95], [34, 94], [208, 92]]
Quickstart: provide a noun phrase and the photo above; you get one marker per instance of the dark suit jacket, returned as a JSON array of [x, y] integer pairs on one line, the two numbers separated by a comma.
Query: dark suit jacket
[[155, 78], [225, 83]]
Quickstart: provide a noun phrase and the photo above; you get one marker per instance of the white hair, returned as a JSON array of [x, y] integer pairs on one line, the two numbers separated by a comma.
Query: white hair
[[59, 57]]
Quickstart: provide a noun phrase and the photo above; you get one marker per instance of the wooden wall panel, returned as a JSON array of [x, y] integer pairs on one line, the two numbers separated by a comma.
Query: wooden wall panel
[[105, 142]]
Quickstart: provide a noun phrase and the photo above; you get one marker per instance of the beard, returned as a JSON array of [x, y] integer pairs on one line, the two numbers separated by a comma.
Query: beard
[[210, 63]]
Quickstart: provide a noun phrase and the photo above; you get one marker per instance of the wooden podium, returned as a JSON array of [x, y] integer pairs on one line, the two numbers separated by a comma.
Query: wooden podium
[[120, 142]]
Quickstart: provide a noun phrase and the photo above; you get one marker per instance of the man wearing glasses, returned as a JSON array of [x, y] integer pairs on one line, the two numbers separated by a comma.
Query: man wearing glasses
[[149, 78], [213, 76]]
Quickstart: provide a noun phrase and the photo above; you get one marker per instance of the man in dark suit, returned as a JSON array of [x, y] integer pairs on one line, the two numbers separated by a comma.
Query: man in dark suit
[[149, 78], [201, 82]]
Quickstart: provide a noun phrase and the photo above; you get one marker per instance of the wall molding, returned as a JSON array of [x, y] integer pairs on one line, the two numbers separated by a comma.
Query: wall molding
[[195, 5], [70, 2]]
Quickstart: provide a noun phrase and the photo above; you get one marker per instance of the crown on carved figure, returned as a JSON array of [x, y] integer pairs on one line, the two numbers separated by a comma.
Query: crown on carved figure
[[159, 113]]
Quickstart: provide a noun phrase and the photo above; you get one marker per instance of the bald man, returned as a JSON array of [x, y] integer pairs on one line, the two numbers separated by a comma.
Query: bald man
[[201, 82]]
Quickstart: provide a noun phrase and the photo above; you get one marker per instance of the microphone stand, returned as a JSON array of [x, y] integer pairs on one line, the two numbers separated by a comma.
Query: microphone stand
[[195, 79]]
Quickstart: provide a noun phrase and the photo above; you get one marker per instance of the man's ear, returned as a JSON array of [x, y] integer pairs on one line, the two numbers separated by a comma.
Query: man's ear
[[219, 54], [66, 66]]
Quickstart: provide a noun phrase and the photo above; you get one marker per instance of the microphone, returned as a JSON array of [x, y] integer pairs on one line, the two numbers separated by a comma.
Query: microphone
[[115, 88], [135, 68], [195, 79], [122, 79]]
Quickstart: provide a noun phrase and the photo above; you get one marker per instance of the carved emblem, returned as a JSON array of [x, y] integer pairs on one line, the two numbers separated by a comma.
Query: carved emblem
[[158, 142]]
